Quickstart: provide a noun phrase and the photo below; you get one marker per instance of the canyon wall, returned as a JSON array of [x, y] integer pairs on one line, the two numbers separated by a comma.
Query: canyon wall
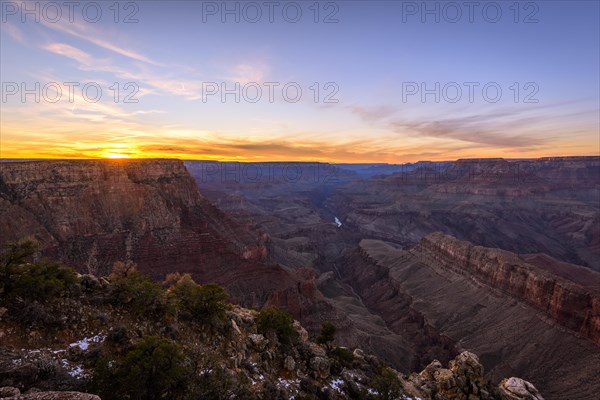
[[435, 298], [92, 213], [548, 205], [567, 303], [89, 214]]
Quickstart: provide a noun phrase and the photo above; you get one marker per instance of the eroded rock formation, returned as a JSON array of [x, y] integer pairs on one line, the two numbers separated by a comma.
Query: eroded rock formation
[[89, 214], [567, 303], [521, 320]]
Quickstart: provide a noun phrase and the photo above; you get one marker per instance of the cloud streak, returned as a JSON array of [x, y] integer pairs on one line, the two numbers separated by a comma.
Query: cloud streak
[[500, 129], [372, 114], [189, 89], [84, 31]]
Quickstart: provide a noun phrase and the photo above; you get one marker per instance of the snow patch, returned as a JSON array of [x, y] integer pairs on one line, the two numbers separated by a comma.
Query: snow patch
[[75, 371], [260, 377], [337, 384], [84, 343], [338, 222], [287, 383]]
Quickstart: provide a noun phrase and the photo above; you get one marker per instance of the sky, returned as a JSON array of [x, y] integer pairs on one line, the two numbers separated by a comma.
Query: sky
[[331, 81]]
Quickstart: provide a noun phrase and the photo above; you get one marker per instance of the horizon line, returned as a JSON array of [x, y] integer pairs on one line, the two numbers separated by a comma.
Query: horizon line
[[125, 159]]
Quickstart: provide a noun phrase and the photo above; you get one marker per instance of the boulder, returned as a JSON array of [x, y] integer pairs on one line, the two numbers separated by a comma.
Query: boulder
[[258, 340], [289, 363], [518, 389], [320, 367]]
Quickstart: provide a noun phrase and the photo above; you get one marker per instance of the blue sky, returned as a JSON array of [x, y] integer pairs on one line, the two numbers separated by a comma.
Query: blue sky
[[370, 55]]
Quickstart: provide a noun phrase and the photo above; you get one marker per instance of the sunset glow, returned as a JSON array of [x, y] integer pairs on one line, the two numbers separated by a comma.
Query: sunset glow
[[395, 90], [113, 155]]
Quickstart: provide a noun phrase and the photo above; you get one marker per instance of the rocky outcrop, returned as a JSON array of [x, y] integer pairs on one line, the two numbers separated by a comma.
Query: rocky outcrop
[[256, 362], [464, 380], [566, 302], [9, 391], [519, 389]]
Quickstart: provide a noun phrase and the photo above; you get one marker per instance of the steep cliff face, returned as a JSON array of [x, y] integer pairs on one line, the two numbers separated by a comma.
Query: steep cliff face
[[386, 297], [445, 295], [89, 214], [128, 209], [566, 302]]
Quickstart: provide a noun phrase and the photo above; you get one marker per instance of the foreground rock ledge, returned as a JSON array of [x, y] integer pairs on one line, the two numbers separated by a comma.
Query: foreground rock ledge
[[11, 393], [464, 380]]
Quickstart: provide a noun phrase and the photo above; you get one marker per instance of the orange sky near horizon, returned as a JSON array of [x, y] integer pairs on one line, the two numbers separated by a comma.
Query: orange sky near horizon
[[343, 155]]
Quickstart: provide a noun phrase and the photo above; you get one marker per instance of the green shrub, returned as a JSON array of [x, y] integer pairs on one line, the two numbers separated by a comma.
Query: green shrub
[[203, 303], [18, 253], [35, 314], [217, 384], [279, 322], [343, 356], [39, 281], [327, 335], [42, 281], [140, 295], [154, 369], [386, 385]]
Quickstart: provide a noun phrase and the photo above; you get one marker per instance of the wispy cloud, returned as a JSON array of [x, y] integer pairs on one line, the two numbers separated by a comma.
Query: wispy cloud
[[249, 72], [372, 113], [13, 31], [502, 129], [86, 32], [71, 52], [190, 89]]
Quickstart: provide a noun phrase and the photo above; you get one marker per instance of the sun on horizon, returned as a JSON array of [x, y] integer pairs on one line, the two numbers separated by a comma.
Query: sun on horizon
[[116, 156]]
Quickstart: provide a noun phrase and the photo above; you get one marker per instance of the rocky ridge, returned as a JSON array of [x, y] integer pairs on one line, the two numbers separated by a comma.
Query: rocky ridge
[[566, 302], [255, 361], [423, 289]]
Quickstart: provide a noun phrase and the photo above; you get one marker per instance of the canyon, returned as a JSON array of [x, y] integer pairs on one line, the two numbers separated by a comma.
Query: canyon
[[90, 214], [549, 205], [411, 262], [540, 218], [460, 291]]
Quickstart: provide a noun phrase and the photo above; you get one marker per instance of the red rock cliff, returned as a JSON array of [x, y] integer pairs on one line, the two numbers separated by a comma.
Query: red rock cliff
[[90, 214], [569, 304]]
